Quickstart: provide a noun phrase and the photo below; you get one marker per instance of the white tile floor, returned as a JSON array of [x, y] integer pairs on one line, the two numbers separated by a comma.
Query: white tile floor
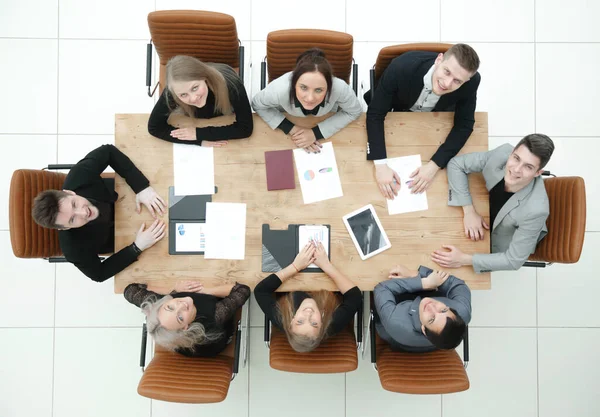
[[70, 346]]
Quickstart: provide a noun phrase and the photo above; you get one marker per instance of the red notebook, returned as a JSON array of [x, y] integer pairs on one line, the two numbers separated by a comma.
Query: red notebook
[[280, 170]]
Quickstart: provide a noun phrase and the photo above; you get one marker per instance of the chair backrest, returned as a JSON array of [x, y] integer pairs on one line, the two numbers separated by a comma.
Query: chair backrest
[[284, 46], [28, 239], [208, 36], [181, 379], [390, 52], [566, 222], [335, 355]]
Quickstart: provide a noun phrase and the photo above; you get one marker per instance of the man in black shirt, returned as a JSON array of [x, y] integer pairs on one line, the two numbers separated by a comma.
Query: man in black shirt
[[421, 81], [83, 212]]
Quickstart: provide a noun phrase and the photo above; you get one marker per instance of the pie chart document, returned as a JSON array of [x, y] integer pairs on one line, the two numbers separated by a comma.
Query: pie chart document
[[318, 174]]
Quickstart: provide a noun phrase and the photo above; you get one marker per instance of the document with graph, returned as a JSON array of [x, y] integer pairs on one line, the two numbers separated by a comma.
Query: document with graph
[[317, 233]]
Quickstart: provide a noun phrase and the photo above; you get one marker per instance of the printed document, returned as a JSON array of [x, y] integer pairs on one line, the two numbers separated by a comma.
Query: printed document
[[405, 202], [315, 232], [189, 237], [225, 231], [318, 174], [193, 170]]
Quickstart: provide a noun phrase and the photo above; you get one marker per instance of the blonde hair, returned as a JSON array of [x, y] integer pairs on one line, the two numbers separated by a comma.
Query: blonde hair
[[219, 79], [326, 301], [172, 340]]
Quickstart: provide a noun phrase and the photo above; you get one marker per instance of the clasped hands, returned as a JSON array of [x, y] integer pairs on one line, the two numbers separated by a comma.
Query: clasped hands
[[189, 134], [305, 138], [312, 252], [430, 282]]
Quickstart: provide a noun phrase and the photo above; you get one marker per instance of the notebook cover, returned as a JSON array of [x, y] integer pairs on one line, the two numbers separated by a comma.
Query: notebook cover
[[280, 170]]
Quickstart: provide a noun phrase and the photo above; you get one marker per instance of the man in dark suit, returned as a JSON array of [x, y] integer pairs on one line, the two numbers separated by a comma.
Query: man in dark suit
[[83, 212], [421, 81]]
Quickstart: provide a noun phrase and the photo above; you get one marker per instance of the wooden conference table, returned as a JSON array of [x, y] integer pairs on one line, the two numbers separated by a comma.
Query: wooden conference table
[[241, 177]]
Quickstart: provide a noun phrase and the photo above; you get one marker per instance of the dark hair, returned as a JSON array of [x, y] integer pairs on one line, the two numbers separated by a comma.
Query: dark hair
[[466, 56], [310, 61], [540, 145], [451, 335], [45, 208]]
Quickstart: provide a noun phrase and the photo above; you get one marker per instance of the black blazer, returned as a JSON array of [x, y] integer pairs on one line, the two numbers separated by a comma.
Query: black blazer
[[82, 245], [399, 88]]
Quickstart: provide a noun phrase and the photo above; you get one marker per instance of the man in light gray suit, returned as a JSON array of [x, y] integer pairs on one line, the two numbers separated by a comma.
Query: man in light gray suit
[[519, 204], [421, 311]]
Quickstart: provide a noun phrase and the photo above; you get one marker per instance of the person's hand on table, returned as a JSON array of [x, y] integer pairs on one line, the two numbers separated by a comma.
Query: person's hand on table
[[146, 238], [422, 177], [151, 200], [388, 181], [184, 133], [321, 258], [474, 224], [314, 148], [213, 143], [302, 137], [450, 257], [401, 271], [305, 257], [189, 286], [434, 280]]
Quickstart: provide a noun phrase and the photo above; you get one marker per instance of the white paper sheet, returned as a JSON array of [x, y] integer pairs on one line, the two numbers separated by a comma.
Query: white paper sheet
[[193, 170], [225, 231], [405, 202], [190, 237], [318, 174], [315, 232]]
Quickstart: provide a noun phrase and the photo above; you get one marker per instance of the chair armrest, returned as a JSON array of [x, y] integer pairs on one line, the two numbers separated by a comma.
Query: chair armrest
[[149, 67], [373, 337], [355, 77], [241, 61], [143, 347], [263, 74], [59, 166], [267, 329], [236, 354], [359, 322], [466, 347], [372, 81]]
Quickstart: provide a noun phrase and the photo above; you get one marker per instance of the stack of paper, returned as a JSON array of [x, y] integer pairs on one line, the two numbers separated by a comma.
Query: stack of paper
[[406, 202], [318, 174], [193, 170], [225, 231]]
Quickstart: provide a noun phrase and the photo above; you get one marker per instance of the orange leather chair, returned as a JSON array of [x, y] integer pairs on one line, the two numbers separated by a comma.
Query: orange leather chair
[[28, 239], [284, 46], [335, 355], [176, 378], [437, 372], [208, 36], [566, 222], [387, 54]]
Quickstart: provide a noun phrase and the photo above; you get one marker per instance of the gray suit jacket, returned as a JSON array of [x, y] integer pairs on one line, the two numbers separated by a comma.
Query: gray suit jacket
[[520, 224], [274, 99], [399, 323]]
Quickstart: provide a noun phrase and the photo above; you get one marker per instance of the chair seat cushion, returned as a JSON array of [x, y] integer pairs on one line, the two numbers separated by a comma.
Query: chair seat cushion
[[336, 354], [438, 372], [177, 378]]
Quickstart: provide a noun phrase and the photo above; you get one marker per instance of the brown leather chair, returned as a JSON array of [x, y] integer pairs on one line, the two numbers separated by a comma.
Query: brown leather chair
[[566, 222], [437, 372], [335, 355], [208, 36], [28, 239], [284, 46], [176, 378], [387, 54]]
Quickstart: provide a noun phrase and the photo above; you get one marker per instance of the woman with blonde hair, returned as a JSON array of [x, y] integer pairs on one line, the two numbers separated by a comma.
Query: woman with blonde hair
[[203, 91], [310, 89], [191, 320], [308, 318]]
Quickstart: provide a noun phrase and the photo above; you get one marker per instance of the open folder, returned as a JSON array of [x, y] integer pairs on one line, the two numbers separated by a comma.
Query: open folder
[[280, 247], [187, 222]]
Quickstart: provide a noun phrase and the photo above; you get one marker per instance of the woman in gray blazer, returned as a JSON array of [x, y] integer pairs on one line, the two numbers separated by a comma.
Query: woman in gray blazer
[[310, 89]]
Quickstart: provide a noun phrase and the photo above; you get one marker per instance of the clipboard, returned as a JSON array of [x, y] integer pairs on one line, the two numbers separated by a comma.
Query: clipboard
[[182, 210], [280, 247]]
